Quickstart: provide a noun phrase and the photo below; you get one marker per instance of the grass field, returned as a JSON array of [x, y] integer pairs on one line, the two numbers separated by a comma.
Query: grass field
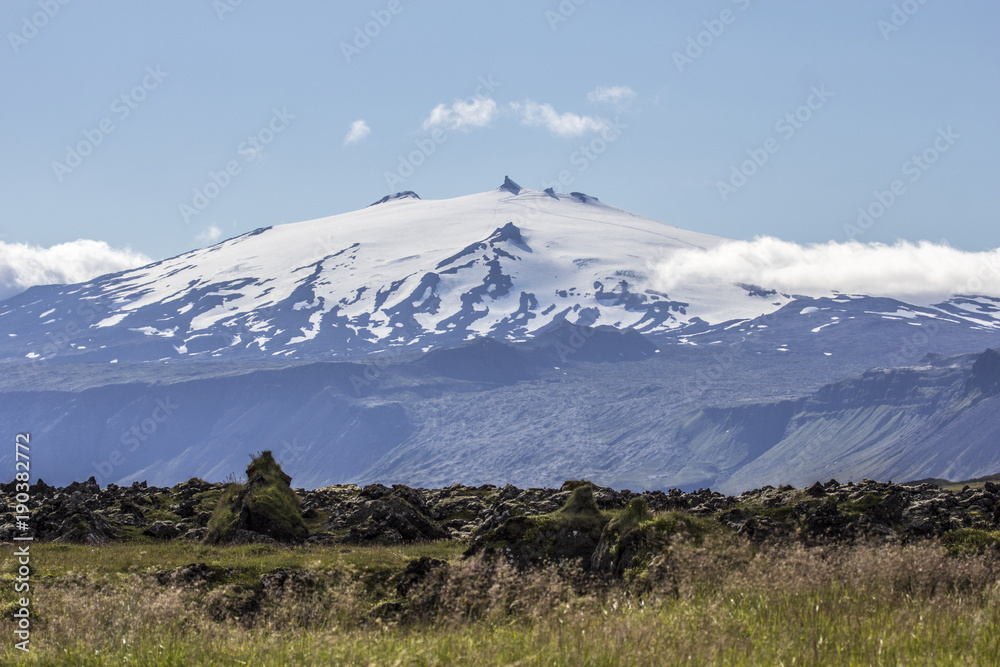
[[722, 601]]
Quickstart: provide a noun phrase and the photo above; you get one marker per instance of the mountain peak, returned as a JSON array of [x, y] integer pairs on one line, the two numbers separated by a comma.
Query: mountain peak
[[407, 194], [510, 186]]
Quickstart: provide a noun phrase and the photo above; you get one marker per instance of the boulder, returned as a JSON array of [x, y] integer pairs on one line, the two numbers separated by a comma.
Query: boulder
[[162, 530], [569, 534]]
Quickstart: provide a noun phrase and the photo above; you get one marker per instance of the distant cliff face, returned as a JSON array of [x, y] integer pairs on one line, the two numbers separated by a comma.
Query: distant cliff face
[[986, 373]]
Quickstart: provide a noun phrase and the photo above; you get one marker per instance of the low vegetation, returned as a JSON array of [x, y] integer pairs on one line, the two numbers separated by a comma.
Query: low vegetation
[[862, 574], [724, 602]]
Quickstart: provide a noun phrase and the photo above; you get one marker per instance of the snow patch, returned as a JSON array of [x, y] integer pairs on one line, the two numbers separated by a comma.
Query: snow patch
[[111, 321]]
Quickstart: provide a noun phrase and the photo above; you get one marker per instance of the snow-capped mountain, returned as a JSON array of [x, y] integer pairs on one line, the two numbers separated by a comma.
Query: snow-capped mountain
[[503, 264], [535, 342], [403, 272]]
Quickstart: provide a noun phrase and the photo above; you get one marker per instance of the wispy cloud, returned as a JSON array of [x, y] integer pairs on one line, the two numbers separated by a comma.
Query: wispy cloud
[[566, 124], [917, 271], [462, 115], [617, 95], [22, 266], [359, 130], [209, 235]]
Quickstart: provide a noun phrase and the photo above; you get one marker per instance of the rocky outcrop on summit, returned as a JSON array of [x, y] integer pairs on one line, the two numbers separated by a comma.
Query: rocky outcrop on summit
[[510, 186], [406, 194]]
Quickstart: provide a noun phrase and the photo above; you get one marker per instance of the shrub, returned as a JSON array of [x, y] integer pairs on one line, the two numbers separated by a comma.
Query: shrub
[[636, 512]]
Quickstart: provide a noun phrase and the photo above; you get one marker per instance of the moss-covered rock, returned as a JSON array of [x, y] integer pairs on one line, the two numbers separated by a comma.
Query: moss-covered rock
[[263, 508], [570, 533], [630, 541]]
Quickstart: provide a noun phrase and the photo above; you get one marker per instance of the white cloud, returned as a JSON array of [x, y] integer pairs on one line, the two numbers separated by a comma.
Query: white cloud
[[209, 235], [478, 112], [359, 130], [917, 271], [22, 266], [618, 95], [566, 124]]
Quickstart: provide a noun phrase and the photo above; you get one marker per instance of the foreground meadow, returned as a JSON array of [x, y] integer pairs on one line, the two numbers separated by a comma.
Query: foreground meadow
[[716, 600]]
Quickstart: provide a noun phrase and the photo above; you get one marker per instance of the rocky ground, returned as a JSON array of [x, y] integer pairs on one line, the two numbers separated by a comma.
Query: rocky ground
[[832, 512]]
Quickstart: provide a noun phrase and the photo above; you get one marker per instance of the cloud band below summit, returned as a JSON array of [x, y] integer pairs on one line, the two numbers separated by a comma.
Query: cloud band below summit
[[914, 271]]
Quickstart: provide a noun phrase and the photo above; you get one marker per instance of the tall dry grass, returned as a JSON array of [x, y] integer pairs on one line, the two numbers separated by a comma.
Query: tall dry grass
[[722, 602]]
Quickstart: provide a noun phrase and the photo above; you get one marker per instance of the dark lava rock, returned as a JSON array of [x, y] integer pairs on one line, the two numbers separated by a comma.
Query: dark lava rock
[[417, 572], [189, 574], [571, 533], [162, 530], [392, 520], [284, 579], [85, 527]]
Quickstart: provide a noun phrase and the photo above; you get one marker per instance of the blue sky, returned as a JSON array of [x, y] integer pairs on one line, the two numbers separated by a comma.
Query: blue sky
[[655, 107]]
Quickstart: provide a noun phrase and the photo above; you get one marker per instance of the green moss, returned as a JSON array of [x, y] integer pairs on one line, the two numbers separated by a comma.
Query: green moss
[[581, 501], [206, 501], [280, 505], [967, 541], [786, 515], [458, 508], [224, 518], [680, 523], [636, 512], [266, 503], [160, 515], [264, 466], [318, 520], [862, 505], [580, 513]]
